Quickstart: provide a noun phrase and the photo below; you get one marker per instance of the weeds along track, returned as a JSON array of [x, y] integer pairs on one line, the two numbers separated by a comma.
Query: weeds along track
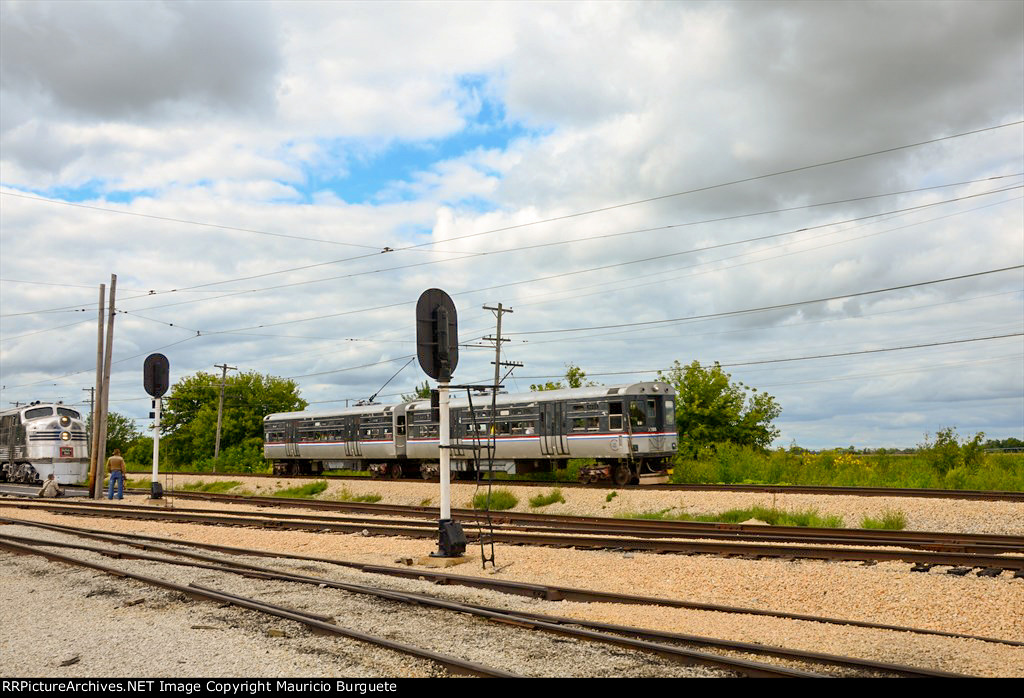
[[976, 495], [656, 653], [991, 554]]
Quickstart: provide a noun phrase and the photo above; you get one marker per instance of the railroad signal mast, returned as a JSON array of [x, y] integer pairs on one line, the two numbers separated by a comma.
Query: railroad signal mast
[[156, 381], [437, 347]]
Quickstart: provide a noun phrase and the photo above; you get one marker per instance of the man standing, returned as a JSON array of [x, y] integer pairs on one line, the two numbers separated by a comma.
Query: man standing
[[116, 468]]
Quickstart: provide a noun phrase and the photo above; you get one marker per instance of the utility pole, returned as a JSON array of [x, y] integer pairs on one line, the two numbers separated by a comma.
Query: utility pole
[[104, 401], [497, 339], [220, 409], [92, 417], [94, 470]]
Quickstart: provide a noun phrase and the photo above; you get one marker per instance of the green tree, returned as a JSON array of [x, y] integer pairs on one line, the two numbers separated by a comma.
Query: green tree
[[948, 453], [420, 392], [190, 418], [121, 432], [711, 409], [575, 377]]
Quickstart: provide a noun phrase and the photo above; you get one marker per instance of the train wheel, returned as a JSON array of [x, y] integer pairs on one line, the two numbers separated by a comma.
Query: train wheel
[[622, 474], [395, 471]]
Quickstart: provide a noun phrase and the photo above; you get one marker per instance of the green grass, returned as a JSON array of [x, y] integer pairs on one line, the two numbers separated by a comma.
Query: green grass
[[890, 521], [732, 464], [346, 496], [543, 500], [611, 496], [215, 487], [307, 491], [775, 517], [500, 500]]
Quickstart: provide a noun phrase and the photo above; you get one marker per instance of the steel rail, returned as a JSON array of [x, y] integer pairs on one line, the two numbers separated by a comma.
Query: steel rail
[[630, 638], [594, 542], [454, 664], [538, 591], [528, 522]]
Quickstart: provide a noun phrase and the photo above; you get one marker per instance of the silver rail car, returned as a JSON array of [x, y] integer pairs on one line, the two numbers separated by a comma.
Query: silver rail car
[[43, 438], [629, 431]]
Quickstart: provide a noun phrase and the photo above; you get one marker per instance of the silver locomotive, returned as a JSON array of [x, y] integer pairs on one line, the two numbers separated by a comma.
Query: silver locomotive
[[628, 430], [42, 438]]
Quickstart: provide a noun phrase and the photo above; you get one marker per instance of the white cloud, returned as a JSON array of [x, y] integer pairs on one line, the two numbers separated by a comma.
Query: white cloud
[[609, 103]]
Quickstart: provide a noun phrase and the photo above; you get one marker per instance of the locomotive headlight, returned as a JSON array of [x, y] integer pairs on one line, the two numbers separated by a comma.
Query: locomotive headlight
[[65, 436], [65, 420]]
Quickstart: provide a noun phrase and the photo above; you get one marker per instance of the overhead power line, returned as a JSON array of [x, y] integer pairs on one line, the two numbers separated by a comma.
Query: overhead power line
[[771, 307], [550, 276], [737, 364]]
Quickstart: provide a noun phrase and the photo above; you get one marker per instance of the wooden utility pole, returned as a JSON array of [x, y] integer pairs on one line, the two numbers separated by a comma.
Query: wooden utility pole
[[92, 420], [103, 399], [220, 408], [499, 311], [497, 339], [95, 477]]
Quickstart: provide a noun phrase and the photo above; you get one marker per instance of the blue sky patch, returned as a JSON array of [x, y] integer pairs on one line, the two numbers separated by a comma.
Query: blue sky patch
[[372, 177]]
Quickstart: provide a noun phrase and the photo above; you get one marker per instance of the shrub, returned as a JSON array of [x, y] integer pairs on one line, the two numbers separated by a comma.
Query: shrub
[[307, 491], [775, 517], [214, 487], [346, 496], [499, 500], [891, 521], [542, 500]]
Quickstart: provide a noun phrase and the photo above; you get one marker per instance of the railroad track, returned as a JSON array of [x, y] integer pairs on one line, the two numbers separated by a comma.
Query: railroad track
[[545, 592], [960, 552], [426, 517], [976, 495], [729, 656]]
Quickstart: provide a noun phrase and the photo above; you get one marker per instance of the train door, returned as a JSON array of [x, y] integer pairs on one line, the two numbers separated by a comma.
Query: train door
[[400, 429], [291, 448], [552, 429], [352, 447]]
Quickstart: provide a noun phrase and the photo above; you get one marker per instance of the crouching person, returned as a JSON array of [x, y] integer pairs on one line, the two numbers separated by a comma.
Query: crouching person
[[51, 488]]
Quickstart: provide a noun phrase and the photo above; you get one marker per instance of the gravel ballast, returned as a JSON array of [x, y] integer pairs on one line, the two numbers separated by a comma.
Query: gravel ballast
[[883, 593]]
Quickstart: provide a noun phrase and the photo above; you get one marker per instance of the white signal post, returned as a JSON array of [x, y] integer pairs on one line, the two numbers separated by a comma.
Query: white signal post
[[156, 437], [446, 463]]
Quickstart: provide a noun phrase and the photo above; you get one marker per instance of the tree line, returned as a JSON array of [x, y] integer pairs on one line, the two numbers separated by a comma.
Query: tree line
[[710, 409]]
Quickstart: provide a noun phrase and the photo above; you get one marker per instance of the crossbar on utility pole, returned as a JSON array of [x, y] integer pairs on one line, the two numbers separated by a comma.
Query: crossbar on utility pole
[[220, 408]]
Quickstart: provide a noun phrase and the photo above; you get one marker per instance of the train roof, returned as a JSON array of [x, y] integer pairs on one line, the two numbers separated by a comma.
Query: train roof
[[32, 405], [484, 400]]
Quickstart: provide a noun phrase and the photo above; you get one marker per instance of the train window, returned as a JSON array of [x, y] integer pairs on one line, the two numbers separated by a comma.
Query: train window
[[637, 418], [37, 412], [586, 424], [615, 416], [400, 425], [65, 412]]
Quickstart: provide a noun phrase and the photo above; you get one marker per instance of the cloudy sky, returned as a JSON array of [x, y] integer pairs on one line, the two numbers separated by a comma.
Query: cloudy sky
[[274, 185]]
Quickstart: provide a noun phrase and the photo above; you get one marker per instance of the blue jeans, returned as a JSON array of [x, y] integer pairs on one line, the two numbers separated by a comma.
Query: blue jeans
[[118, 477]]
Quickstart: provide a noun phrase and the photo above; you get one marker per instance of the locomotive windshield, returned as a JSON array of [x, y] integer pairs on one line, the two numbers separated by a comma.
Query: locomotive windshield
[[65, 412], [37, 412]]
